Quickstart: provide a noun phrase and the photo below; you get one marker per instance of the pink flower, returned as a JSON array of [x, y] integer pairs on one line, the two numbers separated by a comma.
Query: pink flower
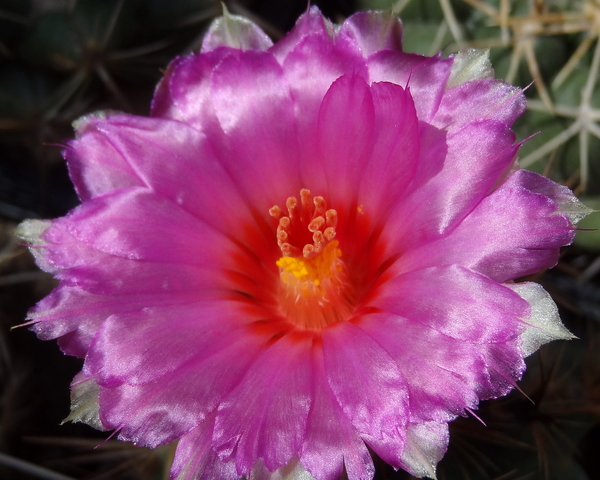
[[306, 250]]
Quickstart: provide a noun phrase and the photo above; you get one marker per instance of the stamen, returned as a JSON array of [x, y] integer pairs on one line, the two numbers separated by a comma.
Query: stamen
[[315, 290], [316, 224], [310, 216], [275, 211]]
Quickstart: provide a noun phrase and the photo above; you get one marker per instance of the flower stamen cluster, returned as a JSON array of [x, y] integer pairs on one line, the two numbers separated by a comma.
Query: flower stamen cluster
[[314, 290]]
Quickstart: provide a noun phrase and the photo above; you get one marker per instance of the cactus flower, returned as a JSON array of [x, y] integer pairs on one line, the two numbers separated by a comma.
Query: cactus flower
[[307, 251]]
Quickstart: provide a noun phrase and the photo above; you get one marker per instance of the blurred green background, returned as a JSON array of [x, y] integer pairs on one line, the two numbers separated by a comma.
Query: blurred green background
[[60, 59]]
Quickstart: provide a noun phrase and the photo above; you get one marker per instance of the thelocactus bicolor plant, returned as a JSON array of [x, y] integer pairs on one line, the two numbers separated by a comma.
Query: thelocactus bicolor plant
[[306, 250]]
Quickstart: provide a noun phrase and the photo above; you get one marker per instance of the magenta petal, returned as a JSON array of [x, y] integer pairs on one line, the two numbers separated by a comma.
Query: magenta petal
[[393, 160], [316, 54], [157, 150], [497, 101], [426, 444], [364, 139], [331, 442], [75, 315], [425, 77], [354, 363], [512, 233], [311, 23], [78, 264], [186, 331], [458, 371], [162, 103], [129, 223], [437, 203], [195, 459], [261, 130], [265, 415], [95, 165], [563, 196], [191, 390], [184, 92], [344, 139], [467, 306]]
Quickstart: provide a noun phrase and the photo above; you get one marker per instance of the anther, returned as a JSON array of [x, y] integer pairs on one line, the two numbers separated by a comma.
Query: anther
[[291, 203], [309, 217], [332, 218], [275, 211], [308, 251], [316, 224], [289, 250], [284, 222], [305, 197], [315, 290], [318, 239], [320, 206]]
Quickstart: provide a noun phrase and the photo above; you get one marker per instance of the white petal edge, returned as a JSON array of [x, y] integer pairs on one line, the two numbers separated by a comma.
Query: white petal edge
[[544, 324], [236, 32], [84, 402], [470, 64], [31, 232], [573, 208], [292, 471], [425, 446]]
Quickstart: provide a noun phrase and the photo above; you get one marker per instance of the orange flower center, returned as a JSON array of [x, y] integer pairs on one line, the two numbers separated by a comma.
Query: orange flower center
[[314, 287]]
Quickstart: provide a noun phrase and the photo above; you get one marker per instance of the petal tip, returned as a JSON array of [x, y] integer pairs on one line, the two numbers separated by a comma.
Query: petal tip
[[468, 65], [31, 231], [544, 324], [235, 32]]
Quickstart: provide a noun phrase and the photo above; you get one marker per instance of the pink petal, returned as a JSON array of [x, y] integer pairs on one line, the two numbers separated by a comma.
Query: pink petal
[[158, 151], [563, 196], [425, 77], [311, 23], [445, 375], [75, 315], [188, 332], [495, 100], [344, 139], [393, 160], [162, 104], [261, 129], [291, 471], [426, 444], [184, 93], [265, 415], [311, 68], [167, 407], [131, 223], [95, 166], [331, 443], [78, 264], [477, 155], [195, 459], [456, 302], [511, 233], [355, 364]]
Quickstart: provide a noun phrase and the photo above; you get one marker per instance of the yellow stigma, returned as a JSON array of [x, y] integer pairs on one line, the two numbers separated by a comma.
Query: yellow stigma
[[314, 270], [315, 291]]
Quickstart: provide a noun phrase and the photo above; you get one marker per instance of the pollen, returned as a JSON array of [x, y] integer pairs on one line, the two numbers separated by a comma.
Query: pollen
[[314, 288]]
